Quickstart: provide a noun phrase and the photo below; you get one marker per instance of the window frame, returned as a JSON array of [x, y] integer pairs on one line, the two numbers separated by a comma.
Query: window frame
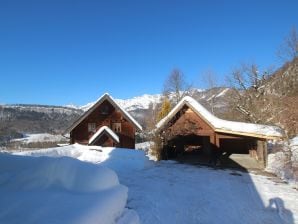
[[91, 127]]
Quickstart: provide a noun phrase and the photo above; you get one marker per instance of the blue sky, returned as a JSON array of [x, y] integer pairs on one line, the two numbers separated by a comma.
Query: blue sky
[[61, 52]]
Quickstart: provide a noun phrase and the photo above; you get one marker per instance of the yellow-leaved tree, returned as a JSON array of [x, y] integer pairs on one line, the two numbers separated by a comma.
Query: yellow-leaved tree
[[165, 108]]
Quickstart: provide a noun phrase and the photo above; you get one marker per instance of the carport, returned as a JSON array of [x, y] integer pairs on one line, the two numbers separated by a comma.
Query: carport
[[190, 132]]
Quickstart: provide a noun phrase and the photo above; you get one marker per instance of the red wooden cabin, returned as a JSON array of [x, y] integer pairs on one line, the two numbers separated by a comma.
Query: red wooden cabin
[[105, 124]]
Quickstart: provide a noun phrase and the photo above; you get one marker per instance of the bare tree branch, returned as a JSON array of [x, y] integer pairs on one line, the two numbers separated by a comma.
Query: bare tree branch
[[289, 48]]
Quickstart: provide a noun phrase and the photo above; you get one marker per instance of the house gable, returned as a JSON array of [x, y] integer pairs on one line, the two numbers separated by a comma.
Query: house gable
[[103, 99], [105, 112], [102, 135], [187, 122]]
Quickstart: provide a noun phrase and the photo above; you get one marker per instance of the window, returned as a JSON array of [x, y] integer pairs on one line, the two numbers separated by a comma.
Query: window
[[104, 110], [91, 127], [116, 127]]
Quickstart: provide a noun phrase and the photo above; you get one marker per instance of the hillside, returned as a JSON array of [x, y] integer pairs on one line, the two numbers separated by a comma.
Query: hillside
[[274, 101], [283, 86], [18, 119]]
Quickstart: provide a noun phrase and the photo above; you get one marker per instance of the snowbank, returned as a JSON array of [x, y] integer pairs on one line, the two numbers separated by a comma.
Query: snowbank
[[65, 190], [125, 160], [114, 158], [283, 160], [146, 147], [58, 190]]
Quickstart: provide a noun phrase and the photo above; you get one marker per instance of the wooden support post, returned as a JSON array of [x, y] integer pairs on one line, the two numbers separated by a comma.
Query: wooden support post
[[217, 142], [212, 139]]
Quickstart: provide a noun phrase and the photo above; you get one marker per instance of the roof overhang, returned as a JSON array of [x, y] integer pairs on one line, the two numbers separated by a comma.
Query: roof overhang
[[100, 132]]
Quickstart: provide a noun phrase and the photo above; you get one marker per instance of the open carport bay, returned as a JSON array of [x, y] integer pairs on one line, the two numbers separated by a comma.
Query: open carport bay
[[234, 153]]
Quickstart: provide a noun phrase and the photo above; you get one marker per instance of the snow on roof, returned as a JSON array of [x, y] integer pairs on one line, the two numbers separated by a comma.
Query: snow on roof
[[220, 125], [100, 131], [100, 100]]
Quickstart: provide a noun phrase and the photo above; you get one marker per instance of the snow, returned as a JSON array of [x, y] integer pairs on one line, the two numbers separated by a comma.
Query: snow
[[283, 160], [144, 145], [100, 131], [42, 108], [141, 102], [111, 157], [294, 141], [41, 137], [177, 193], [58, 190], [221, 125], [158, 192], [222, 93]]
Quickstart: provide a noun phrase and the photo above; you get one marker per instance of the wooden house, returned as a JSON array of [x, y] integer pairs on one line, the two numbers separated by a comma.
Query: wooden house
[[189, 125], [106, 123]]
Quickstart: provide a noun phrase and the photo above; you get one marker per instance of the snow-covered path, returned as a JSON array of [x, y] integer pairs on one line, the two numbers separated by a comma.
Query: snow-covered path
[[175, 193]]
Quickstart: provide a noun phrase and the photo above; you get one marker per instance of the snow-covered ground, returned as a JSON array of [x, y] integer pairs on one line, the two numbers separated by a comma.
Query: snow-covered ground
[[159, 192], [177, 193], [41, 137]]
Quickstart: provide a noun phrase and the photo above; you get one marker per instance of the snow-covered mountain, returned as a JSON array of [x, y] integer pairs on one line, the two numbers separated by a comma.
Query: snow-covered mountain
[[139, 102], [145, 101]]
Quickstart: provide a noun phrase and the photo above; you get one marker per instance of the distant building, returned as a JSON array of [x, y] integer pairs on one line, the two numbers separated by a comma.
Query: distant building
[[105, 124]]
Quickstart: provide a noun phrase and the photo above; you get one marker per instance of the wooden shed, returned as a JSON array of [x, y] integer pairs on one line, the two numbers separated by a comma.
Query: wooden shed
[[189, 126], [106, 123]]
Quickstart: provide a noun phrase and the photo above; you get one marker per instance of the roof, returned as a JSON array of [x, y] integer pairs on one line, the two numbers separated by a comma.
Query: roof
[[101, 131], [104, 97], [224, 126]]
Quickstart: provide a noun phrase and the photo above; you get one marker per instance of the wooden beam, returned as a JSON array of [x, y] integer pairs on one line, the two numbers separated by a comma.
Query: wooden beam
[[249, 134], [222, 136]]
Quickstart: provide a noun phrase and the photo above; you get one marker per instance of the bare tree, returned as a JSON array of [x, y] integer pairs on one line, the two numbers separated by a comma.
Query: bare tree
[[289, 48], [248, 84], [176, 84], [209, 77]]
